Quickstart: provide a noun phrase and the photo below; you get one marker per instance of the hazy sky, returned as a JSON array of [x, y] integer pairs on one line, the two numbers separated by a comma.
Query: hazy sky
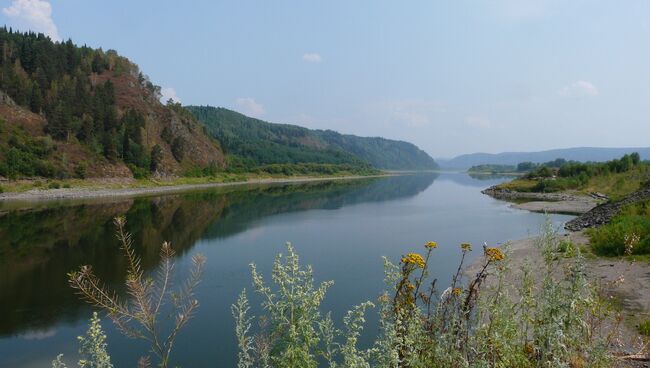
[[450, 76]]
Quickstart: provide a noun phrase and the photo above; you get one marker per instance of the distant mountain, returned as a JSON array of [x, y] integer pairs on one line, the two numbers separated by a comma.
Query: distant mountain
[[263, 143], [582, 154]]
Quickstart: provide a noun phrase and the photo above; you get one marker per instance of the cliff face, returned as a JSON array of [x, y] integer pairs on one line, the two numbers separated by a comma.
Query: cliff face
[[164, 125]]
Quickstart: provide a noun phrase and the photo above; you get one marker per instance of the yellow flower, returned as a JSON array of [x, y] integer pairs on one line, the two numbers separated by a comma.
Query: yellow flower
[[431, 245], [410, 286], [466, 247], [457, 291], [494, 254], [413, 258]]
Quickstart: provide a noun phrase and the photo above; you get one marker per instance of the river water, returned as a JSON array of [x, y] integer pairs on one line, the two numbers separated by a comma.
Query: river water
[[342, 228]]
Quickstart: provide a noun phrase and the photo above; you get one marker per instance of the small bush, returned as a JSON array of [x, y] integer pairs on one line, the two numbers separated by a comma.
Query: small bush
[[54, 185], [625, 235], [80, 171], [567, 248], [138, 172], [644, 327], [66, 185]]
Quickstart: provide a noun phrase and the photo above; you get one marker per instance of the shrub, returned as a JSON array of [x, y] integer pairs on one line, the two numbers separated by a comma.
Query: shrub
[[138, 172], [54, 185], [471, 324], [80, 171], [92, 348], [140, 316], [624, 235]]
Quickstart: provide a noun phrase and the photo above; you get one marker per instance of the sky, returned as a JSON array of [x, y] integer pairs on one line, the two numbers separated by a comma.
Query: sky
[[452, 77]]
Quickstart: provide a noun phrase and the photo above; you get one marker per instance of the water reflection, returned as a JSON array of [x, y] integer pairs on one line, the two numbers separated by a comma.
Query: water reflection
[[39, 246]]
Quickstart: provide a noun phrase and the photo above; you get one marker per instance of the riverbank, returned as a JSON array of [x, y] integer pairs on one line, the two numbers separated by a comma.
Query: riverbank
[[564, 203], [626, 283], [113, 189]]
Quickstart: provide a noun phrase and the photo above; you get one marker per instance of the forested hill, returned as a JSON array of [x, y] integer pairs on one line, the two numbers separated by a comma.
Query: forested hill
[[261, 143], [70, 111]]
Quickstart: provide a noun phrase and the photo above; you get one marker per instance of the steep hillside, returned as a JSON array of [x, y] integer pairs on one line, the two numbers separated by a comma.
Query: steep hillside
[[261, 143], [582, 154], [380, 152], [69, 111]]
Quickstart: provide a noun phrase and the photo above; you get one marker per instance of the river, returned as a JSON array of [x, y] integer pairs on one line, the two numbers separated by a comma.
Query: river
[[342, 228]]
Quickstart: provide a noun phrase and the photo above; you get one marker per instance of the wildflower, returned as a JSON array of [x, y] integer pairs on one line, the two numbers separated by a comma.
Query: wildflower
[[457, 291], [431, 245], [494, 254], [413, 258], [630, 243], [466, 247], [410, 286]]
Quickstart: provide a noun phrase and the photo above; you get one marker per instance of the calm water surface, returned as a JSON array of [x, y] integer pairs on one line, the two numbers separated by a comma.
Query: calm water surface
[[341, 228]]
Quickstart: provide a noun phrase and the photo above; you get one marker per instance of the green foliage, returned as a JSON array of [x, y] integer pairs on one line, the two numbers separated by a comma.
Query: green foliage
[[492, 169], [80, 171], [626, 234], [56, 79], [644, 328], [139, 172], [26, 156], [92, 348], [54, 185], [296, 333], [259, 143], [561, 175], [484, 322]]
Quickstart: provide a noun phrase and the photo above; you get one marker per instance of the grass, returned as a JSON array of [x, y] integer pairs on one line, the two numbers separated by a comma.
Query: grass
[[644, 327], [617, 186]]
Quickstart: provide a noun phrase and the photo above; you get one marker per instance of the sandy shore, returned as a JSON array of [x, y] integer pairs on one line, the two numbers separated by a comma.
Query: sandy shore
[[577, 205], [90, 193]]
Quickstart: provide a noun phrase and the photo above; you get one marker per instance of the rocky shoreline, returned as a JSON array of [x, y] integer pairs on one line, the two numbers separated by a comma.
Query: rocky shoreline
[[603, 213], [564, 203]]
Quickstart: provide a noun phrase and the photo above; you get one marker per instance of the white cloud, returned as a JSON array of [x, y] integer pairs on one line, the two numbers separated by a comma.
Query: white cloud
[[35, 15], [475, 121], [578, 89], [168, 93], [312, 57], [248, 106]]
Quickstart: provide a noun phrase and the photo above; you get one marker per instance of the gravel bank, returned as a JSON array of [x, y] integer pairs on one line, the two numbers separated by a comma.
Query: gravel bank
[[90, 193], [545, 202], [603, 213]]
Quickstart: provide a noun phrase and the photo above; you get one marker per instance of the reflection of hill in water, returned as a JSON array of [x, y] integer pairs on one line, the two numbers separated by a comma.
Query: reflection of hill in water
[[245, 207], [39, 247], [474, 180]]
